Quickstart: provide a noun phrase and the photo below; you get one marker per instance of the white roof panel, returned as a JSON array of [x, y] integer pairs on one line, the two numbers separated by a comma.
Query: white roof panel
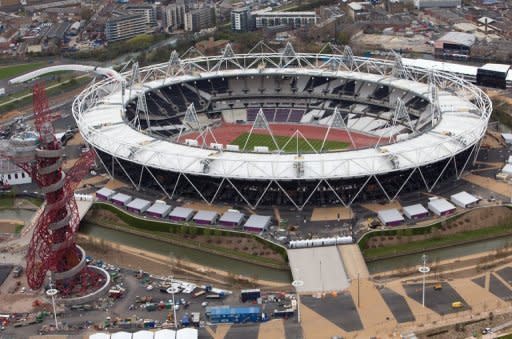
[[390, 215], [413, 210], [158, 208], [121, 335], [502, 68], [206, 215], [165, 334], [143, 335], [442, 205], [107, 192], [121, 197], [99, 336], [188, 333], [234, 217], [138, 204], [181, 212], [464, 198], [257, 221]]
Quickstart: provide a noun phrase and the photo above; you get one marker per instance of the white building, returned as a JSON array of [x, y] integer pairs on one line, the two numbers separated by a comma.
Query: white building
[[10, 174], [441, 207], [419, 4], [464, 199]]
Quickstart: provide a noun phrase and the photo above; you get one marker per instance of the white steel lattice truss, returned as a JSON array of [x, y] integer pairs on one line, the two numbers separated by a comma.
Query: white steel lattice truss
[[459, 112]]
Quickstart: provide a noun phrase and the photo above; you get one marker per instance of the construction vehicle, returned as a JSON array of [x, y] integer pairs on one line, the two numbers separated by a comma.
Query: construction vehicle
[[457, 304], [438, 287]]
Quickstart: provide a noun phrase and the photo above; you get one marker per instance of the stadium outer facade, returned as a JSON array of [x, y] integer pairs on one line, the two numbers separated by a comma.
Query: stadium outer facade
[[442, 141]]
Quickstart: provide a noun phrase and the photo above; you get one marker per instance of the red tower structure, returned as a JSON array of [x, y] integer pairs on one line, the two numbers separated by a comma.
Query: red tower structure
[[52, 247]]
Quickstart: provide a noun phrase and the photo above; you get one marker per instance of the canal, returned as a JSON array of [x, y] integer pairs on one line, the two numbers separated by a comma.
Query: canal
[[185, 253]]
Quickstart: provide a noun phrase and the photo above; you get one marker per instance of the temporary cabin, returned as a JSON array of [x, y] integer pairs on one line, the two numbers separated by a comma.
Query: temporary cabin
[[138, 205], [391, 217], [233, 314], [143, 335], [257, 223], [231, 219], [464, 199], [181, 214], [159, 210], [121, 199], [441, 207], [415, 212], [105, 194], [206, 217]]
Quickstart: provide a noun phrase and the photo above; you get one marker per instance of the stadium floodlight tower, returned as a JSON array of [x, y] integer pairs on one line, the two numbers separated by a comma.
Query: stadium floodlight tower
[[52, 247]]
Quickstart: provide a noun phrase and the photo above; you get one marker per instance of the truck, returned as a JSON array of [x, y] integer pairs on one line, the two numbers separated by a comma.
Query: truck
[[285, 313], [196, 318], [198, 294], [250, 294]]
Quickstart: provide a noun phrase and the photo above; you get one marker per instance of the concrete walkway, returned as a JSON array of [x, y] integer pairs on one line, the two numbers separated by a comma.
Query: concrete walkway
[[354, 262]]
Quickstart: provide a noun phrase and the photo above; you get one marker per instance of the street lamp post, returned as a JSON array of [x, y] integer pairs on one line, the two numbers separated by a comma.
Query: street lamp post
[[424, 269], [52, 292]]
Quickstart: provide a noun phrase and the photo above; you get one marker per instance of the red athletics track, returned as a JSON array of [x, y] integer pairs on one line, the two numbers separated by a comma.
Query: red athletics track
[[226, 133]]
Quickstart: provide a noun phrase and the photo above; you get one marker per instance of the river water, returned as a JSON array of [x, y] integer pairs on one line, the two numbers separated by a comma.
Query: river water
[[440, 254], [202, 258]]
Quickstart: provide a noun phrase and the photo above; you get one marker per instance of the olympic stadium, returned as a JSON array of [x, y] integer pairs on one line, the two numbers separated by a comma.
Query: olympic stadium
[[283, 128]]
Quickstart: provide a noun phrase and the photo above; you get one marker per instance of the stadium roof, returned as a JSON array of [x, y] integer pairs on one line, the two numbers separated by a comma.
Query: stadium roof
[[460, 126]]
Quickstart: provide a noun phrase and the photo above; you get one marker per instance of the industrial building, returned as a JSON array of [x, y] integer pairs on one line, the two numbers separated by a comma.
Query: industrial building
[[138, 205], [121, 199], [181, 214], [206, 217], [124, 27], [454, 44], [105, 194]]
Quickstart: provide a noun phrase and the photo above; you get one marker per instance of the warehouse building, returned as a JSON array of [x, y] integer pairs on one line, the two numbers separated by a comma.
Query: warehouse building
[[390, 217], [138, 205], [159, 210], [464, 199], [267, 18], [415, 212], [454, 44], [441, 207], [420, 4]]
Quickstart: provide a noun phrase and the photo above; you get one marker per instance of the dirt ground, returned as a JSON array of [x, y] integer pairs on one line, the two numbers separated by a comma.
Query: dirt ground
[[114, 184], [379, 207], [9, 226], [476, 219], [490, 184], [492, 140], [331, 213], [200, 206], [105, 216]]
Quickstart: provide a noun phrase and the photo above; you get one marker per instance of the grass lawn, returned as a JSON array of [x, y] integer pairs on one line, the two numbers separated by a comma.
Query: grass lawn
[[6, 202], [291, 147], [7, 72], [444, 240]]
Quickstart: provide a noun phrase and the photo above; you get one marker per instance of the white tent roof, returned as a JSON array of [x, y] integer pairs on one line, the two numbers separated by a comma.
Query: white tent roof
[[234, 217], [181, 212], [413, 210], [441, 205], [124, 198], [391, 215], [99, 336], [188, 333], [143, 335], [507, 169], [158, 208], [507, 137], [121, 335], [206, 216], [501, 68], [257, 221], [464, 198], [107, 192], [138, 204]]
